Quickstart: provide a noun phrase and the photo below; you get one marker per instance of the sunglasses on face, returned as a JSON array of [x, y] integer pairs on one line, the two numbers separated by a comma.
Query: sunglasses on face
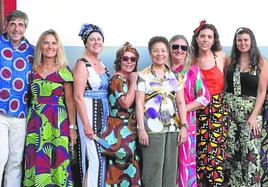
[[126, 59], [182, 47]]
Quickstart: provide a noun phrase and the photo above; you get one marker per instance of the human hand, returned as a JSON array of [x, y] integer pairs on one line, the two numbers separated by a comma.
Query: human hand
[[133, 77], [182, 135], [253, 125], [73, 137], [143, 137], [88, 131]]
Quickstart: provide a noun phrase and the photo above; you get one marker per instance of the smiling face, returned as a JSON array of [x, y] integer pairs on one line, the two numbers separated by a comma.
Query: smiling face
[[178, 50], [243, 42], [49, 46], [159, 54], [94, 43], [205, 39], [15, 30], [128, 62]]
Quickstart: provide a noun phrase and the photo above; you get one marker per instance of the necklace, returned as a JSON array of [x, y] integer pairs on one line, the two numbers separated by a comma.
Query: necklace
[[47, 67], [94, 61]]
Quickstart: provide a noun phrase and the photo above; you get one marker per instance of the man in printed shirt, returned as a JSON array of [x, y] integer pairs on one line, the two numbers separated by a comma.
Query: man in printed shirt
[[16, 55]]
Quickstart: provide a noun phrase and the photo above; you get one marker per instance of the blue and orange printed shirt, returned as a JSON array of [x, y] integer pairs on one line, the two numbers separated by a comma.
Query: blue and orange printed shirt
[[15, 68]]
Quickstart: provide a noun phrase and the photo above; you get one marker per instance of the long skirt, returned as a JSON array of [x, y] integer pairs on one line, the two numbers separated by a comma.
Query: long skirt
[[211, 143], [243, 165]]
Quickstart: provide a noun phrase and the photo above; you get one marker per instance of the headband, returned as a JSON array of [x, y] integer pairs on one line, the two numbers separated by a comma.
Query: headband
[[201, 24]]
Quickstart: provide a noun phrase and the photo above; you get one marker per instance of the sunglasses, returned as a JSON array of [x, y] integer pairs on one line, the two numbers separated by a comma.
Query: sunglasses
[[126, 59], [182, 47]]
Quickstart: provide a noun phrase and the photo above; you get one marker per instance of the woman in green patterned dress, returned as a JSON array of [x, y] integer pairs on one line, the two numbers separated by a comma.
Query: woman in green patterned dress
[[245, 94], [51, 117]]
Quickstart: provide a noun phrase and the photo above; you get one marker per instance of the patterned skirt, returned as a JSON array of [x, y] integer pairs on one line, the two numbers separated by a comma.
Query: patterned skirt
[[122, 158], [211, 143], [243, 165]]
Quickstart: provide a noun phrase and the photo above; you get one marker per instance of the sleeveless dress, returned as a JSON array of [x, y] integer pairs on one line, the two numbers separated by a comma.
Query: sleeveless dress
[[194, 90], [244, 149], [121, 132], [47, 139], [96, 99], [212, 132]]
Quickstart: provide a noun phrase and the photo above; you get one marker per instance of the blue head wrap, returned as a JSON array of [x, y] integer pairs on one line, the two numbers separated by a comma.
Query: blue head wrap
[[87, 29]]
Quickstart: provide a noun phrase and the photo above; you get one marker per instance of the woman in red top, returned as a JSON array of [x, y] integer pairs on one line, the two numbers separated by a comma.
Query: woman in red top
[[212, 120]]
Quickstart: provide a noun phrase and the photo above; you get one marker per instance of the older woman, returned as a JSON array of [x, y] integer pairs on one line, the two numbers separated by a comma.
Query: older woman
[[121, 132], [51, 117], [245, 95], [91, 98], [157, 98], [196, 96], [212, 120]]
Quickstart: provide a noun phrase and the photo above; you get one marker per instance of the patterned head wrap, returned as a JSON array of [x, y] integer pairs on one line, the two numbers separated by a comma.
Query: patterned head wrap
[[126, 47], [87, 29]]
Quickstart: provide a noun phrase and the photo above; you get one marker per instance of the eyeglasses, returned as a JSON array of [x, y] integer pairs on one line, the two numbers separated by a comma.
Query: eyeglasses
[[182, 47], [126, 59]]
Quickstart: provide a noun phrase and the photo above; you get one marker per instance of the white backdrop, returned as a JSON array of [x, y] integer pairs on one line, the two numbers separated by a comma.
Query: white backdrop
[[138, 20]]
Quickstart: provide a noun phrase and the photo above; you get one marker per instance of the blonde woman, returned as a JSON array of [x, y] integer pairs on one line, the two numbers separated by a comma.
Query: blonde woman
[[196, 96], [51, 117]]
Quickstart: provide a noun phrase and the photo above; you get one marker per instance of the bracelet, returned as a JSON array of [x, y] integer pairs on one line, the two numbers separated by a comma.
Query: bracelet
[[73, 127], [184, 125]]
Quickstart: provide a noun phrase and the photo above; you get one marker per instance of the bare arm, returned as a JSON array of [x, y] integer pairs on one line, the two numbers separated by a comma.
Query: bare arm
[[261, 93], [127, 100], [143, 136], [181, 105], [222, 60], [194, 106], [80, 79], [69, 100], [182, 111]]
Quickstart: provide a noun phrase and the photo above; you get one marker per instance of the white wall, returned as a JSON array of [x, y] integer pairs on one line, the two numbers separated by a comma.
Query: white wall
[[138, 20]]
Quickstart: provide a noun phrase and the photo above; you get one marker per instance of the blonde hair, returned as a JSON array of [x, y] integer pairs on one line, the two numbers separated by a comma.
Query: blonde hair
[[188, 59], [60, 58]]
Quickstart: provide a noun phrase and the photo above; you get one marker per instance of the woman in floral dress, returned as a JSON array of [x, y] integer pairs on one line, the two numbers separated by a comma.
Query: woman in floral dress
[[51, 116], [245, 94]]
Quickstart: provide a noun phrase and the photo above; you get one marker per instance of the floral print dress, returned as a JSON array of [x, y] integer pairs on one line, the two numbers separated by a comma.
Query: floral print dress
[[243, 166]]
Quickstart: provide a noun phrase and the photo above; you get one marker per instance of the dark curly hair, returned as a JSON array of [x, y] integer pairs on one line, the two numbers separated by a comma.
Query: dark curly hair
[[216, 45]]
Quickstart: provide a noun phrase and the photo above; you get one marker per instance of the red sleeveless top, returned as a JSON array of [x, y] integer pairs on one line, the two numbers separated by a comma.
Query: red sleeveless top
[[214, 80]]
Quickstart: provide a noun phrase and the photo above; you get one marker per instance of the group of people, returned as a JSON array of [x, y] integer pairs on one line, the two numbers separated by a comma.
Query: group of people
[[193, 117]]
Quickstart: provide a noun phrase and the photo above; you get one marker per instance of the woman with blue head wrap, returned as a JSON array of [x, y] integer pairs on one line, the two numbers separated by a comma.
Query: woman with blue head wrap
[[90, 93], [87, 29]]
